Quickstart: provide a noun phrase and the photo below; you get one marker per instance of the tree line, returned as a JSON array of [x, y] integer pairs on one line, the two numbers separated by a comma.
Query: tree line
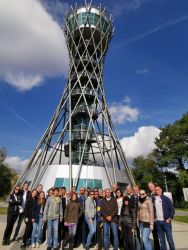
[[168, 160]]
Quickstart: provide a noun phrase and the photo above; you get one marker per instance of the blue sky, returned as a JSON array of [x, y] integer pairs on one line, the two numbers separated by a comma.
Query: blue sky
[[145, 70]]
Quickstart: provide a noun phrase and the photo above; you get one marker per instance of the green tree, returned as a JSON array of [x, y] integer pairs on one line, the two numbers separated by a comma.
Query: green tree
[[8, 176], [172, 145], [146, 169]]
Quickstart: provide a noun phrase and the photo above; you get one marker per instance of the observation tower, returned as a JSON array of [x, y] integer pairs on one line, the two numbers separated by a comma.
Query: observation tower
[[80, 147]]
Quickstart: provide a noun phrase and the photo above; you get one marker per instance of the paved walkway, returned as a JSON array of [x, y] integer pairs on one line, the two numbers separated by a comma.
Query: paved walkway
[[180, 233]]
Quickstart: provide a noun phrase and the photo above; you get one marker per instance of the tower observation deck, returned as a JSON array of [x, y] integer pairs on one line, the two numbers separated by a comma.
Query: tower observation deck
[[80, 146]]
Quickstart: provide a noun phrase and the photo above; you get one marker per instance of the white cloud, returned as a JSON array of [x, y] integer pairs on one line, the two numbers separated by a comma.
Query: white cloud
[[142, 71], [121, 6], [32, 44], [16, 163], [127, 99], [141, 143], [150, 32], [122, 112]]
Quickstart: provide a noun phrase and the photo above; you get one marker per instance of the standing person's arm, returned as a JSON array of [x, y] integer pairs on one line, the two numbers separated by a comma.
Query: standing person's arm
[[80, 211], [66, 213], [103, 211], [171, 210], [45, 214], [34, 210], [87, 208], [115, 208], [151, 214], [60, 210]]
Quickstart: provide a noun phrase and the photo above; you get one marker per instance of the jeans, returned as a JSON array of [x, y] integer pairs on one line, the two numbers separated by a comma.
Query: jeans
[[165, 229], [145, 233], [92, 230], [37, 229], [114, 228], [72, 232], [53, 227]]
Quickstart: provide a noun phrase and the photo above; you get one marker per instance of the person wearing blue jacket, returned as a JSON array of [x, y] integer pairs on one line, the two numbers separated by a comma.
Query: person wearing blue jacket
[[164, 213]]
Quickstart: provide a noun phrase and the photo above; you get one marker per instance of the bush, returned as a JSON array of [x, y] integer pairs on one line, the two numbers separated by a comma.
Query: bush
[[183, 204]]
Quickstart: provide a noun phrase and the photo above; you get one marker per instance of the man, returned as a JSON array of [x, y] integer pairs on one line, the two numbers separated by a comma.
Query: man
[[62, 229], [74, 190], [25, 196], [90, 217], [81, 231], [63, 192], [53, 212], [151, 188], [164, 213], [99, 224], [114, 189], [109, 211], [129, 191], [134, 200]]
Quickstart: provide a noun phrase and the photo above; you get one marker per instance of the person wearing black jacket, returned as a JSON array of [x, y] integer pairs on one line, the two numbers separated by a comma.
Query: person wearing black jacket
[[15, 200], [127, 222], [28, 218], [25, 196]]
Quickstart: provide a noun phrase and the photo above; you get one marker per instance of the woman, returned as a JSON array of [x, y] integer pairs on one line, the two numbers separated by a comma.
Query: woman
[[15, 200], [90, 217], [119, 198], [145, 218], [28, 217], [37, 221], [73, 211], [127, 223]]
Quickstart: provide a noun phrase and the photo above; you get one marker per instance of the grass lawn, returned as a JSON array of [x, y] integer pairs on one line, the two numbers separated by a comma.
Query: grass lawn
[[3, 210], [182, 209], [183, 219]]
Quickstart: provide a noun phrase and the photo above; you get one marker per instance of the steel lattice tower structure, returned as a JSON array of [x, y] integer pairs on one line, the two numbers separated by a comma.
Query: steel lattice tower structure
[[81, 136]]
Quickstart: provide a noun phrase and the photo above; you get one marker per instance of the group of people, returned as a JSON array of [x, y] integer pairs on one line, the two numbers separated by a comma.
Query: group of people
[[67, 218]]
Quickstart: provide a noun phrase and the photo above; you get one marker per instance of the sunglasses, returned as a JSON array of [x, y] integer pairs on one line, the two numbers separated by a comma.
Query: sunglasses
[[142, 194], [92, 194]]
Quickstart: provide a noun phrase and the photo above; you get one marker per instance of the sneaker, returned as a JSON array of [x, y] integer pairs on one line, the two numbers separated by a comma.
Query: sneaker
[[48, 248], [33, 245], [37, 245], [23, 245]]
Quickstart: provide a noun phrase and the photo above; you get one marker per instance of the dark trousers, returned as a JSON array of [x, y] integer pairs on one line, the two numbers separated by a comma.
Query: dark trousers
[[99, 234], [11, 219], [155, 238], [44, 230], [81, 231], [28, 231], [20, 219], [128, 236]]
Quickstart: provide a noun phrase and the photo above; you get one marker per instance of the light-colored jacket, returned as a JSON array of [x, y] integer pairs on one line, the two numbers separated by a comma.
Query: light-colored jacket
[[90, 208], [53, 209], [145, 211]]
